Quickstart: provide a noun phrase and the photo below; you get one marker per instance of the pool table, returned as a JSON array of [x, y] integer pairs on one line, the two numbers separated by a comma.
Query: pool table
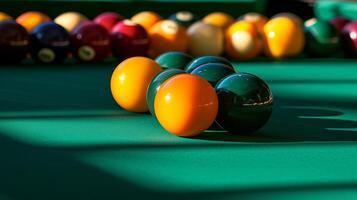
[[63, 137]]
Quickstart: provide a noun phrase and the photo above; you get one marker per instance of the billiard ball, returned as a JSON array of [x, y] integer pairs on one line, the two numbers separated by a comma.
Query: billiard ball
[[183, 18], [156, 83], [90, 42], [284, 36], [129, 39], [167, 35], [13, 42], [29, 20], [219, 19], [322, 38], [49, 43], [243, 41], [349, 39], [205, 39], [173, 59], [185, 105], [4, 17], [213, 72], [146, 19], [339, 22], [69, 20], [256, 19], [108, 20], [130, 81], [245, 103], [204, 60]]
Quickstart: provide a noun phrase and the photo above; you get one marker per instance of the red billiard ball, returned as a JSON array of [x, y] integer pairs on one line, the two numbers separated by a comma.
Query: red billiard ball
[[129, 39], [91, 42], [108, 20], [349, 38], [339, 22]]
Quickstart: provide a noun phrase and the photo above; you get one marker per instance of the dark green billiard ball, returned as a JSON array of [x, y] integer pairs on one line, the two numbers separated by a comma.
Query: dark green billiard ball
[[204, 60], [213, 72], [173, 59], [155, 84], [322, 38], [183, 18], [245, 103]]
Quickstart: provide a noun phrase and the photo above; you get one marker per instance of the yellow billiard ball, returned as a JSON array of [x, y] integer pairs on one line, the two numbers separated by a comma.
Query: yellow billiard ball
[[219, 19], [284, 37], [4, 17], [146, 19], [130, 81]]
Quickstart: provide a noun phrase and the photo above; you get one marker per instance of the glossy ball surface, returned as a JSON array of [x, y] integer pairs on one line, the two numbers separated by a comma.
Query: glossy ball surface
[[322, 38], [349, 39], [129, 39], [13, 42], [49, 43], [284, 36], [205, 39], [155, 85], [185, 105], [91, 42], [108, 20], [245, 103], [204, 60], [183, 18], [167, 36], [174, 59], [130, 81], [146, 19], [219, 19], [213, 72], [29, 20], [70, 20], [256, 19], [243, 41]]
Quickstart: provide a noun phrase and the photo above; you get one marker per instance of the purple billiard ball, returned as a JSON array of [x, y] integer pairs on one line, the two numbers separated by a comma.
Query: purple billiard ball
[[339, 22]]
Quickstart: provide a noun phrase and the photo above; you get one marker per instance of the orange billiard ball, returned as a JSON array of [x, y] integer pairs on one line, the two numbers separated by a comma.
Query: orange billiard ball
[[130, 81], [29, 20], [243, 41], [284, 36], [256, 19], [146, 19], [219, 19], [185, 105], [166, 36]]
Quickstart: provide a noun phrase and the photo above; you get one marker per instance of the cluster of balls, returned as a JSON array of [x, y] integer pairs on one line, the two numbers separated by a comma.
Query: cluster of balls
[[149, 34], [188, 96]]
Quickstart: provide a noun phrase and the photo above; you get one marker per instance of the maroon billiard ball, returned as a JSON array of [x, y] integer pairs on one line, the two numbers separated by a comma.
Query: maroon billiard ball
[[13, 42], [91, 42], [349, 38], [129, 39], [339, 22], [108, 20]]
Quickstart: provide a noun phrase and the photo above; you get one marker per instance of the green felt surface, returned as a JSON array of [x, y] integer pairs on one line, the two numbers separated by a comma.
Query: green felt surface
[[63, 137]]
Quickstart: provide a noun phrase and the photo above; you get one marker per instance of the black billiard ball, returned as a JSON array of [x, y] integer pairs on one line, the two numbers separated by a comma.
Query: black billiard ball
[[13, 42], [245, 103], [49, 43]]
